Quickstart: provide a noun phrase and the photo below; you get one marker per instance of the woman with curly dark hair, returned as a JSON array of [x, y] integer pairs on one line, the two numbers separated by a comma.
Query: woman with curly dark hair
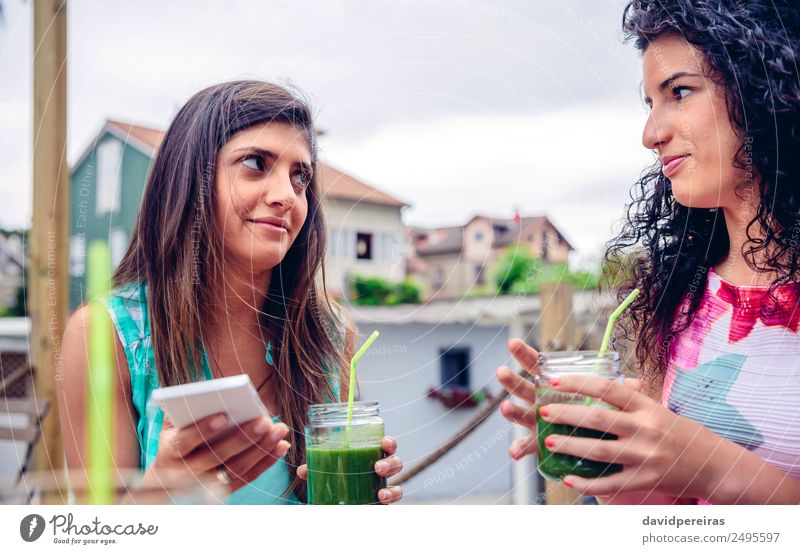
[[712, 234]]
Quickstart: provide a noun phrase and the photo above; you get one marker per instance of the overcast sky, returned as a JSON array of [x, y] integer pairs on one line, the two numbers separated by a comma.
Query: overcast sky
[[456, 106]]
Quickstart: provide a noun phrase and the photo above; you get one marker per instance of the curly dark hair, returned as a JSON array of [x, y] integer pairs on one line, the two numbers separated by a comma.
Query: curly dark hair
[[751, 49]]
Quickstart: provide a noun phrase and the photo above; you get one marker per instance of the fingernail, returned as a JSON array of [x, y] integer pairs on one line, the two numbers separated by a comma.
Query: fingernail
[[381, 466], [262, 426], [554, 382], [567, 483], [543, 412], [549, 441], [383, 495], [278, 433], [219, 422]]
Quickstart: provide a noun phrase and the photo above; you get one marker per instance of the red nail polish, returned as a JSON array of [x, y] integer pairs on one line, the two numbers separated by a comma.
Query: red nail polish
[[543, 412], [567, 483], [554, 382], [549, 442]]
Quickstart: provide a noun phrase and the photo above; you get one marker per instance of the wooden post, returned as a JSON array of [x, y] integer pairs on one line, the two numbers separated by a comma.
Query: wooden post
[[558, 333], [47, 273]]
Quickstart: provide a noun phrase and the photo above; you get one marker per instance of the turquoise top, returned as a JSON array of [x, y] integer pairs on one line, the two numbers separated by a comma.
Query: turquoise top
[[127, 306]]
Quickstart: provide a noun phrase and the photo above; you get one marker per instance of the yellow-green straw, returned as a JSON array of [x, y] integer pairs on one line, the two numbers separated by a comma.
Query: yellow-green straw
[[609, 329], [101, 378], [351, 393], [613, 319]]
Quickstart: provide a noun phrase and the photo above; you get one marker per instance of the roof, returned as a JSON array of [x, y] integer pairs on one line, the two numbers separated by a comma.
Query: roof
[[333, 182], [483, 311], [443, 240], [338, 184]]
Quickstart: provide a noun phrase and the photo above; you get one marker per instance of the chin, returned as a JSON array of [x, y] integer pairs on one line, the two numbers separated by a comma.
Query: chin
[[687, 193]]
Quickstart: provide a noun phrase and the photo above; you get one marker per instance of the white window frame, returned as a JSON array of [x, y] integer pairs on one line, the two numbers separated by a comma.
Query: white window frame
[[109, 165], [117, 245]]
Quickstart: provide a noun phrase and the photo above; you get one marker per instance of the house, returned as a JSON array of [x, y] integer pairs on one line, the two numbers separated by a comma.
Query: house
[[12, 265], [450, 262], [365, 229]]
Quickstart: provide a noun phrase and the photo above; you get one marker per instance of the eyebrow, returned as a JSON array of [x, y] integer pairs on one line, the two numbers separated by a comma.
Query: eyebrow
[[269, 154], [670, 78]]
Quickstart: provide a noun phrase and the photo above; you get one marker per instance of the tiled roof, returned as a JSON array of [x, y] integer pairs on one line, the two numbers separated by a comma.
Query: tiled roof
[[444, 240], [333, 183]]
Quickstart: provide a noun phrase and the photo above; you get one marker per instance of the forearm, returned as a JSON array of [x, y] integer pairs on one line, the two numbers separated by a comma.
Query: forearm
[[737, 476]]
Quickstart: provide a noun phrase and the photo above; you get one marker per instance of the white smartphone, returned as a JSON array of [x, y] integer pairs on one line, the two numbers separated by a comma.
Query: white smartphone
[[234, 396]]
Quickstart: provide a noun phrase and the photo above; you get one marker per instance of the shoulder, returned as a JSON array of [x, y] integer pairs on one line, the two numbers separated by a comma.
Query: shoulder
[[74, 362]]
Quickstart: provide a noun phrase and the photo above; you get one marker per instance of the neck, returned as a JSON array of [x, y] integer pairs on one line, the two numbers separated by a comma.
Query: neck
[[734, 267], [242, 294]]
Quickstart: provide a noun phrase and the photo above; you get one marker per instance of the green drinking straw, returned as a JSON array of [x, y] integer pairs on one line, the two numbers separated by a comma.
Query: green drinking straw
[[351, 393], [609, 328], [101, 378]]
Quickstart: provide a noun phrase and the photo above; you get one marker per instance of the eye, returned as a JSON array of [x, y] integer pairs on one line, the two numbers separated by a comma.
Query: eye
[[253, 162], [301, 179], [680, 92]]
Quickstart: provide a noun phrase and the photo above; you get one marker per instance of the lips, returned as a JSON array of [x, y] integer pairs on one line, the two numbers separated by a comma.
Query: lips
[[270, 223], [670, 164]]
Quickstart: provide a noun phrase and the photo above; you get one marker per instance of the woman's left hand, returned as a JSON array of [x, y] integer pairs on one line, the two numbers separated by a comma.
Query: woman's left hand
[[387, 467], [658, 449]]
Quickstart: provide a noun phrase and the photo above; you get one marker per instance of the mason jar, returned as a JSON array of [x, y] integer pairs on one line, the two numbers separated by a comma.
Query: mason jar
[[341, 458], [553, 365]]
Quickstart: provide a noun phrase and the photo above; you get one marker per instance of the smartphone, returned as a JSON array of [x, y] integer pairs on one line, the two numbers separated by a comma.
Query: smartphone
[[234, 396]]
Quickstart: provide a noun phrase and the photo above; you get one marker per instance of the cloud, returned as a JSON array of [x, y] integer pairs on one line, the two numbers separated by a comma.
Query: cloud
[[576, 164]]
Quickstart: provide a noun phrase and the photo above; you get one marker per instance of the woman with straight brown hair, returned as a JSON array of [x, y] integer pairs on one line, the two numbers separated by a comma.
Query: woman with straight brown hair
[[222, 275]]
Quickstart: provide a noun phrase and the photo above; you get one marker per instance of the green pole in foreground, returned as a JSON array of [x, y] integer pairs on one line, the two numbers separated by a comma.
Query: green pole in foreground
[[100, 387]]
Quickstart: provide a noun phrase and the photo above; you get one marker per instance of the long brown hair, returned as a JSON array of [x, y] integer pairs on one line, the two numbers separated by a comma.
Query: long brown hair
[[176, 252]]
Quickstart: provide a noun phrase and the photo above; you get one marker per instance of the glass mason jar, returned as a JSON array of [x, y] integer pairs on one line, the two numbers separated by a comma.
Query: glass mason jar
[[341, 462], [552, 365]]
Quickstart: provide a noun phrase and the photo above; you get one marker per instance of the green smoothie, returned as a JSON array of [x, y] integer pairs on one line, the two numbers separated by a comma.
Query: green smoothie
[[344, 476], [555, 466]]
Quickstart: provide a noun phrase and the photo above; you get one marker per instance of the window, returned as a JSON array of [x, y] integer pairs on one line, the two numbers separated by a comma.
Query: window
[[109, 158], [77, 255], [480, 274], [118, 243], [455, 368], [478, 236], [333, 244], [438, 278], [363, 246]]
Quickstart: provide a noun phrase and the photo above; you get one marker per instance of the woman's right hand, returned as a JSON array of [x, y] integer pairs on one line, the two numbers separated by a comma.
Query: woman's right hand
[[525, 390], [245, 451]]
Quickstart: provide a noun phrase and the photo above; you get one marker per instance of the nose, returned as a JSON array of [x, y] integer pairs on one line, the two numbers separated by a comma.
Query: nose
[[279, 191], [656, 131]]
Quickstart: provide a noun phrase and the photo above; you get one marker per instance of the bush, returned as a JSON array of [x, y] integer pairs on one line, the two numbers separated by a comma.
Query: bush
[[374, 291], [519, 272]]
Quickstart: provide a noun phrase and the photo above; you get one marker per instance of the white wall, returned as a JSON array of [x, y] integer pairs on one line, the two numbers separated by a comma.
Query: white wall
[[398, 371], [344, 219]]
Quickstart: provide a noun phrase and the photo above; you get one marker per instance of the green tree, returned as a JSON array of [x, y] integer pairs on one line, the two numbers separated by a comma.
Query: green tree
[[517, 266]]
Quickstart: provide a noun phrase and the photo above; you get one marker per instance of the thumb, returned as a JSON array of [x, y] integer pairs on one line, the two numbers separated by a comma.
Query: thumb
[[302, 472]]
